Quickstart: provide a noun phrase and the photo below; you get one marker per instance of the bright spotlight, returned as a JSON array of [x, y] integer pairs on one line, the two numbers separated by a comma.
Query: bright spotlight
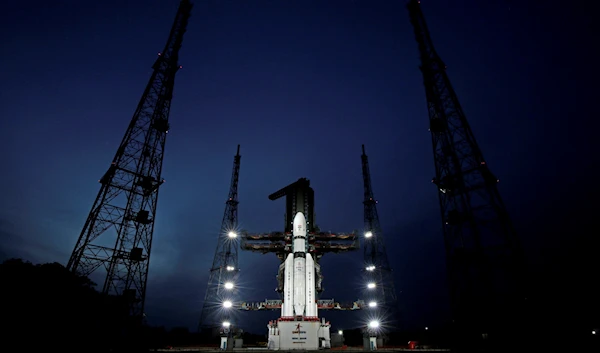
[[232, 234], [226, 324], [374, 324], [368, 234], [370, 268], [227, 304], [372, 304], [228, 285], [230, 268], [371, 285], [340, 332]]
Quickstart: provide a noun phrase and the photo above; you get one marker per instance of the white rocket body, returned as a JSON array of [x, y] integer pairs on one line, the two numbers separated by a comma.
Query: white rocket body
[[299, 281], [311, 301], [287, 309], [299, 250]]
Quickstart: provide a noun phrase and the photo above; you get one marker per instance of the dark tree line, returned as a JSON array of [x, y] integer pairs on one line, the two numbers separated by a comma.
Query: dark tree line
[[47, 306]]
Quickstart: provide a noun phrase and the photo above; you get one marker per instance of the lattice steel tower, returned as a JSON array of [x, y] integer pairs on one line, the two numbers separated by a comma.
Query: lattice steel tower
[[117, 235], [483, 256], [224, 270], [377, 267]]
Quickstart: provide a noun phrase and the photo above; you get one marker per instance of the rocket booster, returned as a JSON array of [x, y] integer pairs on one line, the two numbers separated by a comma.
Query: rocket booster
[[287, 309]]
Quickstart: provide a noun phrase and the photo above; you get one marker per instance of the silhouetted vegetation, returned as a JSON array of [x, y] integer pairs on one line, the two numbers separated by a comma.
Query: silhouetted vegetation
[[46, 306], [50, 307]]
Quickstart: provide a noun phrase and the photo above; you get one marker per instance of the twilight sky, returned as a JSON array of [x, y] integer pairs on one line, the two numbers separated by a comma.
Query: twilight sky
[[301, 85]]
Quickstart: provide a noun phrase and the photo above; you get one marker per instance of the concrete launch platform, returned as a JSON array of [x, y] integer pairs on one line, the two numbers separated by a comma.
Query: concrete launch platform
[[298, 335], [263, 350]]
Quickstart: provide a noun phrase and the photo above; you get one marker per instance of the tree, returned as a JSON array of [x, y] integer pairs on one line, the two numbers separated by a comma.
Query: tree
[[48, 306]]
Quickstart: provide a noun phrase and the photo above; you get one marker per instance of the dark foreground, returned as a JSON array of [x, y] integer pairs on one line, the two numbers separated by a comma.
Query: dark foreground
[[357, 350]]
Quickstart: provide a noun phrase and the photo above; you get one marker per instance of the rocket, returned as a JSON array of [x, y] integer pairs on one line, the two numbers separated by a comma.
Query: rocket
[[299, 275]]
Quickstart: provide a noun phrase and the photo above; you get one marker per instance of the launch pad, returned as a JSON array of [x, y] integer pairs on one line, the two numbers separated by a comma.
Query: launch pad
[[299, 247], [302, 335]]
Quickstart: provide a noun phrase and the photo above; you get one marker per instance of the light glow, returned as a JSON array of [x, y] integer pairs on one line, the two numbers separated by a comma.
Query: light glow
[[370, 268], [371, 285], [374, 324], [226, 324], [368, 234], [232, 235], [227, 304], [230, 268], [372, 304], [228, 285]]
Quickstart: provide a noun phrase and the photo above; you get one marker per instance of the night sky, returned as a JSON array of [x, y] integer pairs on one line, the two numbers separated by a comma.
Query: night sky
[[301, 85]]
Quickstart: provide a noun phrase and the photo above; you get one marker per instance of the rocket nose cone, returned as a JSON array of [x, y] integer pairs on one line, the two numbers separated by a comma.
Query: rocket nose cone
[[299, 218], [299, 224]]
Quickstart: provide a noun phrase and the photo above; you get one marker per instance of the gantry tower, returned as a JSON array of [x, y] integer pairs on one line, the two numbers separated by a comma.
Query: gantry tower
[[378, 271], [483, 256], [117, 235], [224, 270]]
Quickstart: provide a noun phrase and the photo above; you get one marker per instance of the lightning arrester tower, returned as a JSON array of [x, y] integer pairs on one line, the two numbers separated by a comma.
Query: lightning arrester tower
[[377, 267], [224, 269], [117, 235], [483, 255]]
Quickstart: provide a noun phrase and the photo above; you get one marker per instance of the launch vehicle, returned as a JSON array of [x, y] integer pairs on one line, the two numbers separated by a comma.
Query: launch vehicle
[[299, 247], [299, 299]]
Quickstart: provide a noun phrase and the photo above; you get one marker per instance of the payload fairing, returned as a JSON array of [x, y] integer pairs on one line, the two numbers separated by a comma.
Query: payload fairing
[[299, 285]]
